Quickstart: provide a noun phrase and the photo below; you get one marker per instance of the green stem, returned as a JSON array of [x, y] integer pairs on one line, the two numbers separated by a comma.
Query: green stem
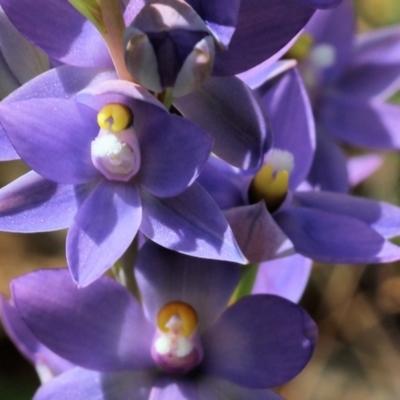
[[245, 287], [123, 269]]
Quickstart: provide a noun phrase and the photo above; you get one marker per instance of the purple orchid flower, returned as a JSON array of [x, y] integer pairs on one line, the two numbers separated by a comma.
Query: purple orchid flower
[[183, 344], [271, 215], [85, 48], [349, 80], [107, 179], [19, 60]]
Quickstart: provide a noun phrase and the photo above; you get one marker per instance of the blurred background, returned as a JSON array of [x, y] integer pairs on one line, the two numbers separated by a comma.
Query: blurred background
[[357, 308]]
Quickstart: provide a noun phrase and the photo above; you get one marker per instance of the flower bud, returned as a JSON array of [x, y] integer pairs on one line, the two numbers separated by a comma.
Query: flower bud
[[169, 46]]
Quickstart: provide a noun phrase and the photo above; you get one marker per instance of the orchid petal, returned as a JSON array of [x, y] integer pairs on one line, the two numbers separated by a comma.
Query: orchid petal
[[286, 277], [228, 110], [68, 37], [34, 204], [362, 167], [380, 216], [53, 137], [267, 25], [320, 3], [333, 238], [24, 60], [328, 170], [164, 276], [374, 68], [104, 226], [83, 384], [292, 121], [257, 234], [220, 16], [190, 223], [369, 123], [259, 342], [101, 327], [177, 388], [173, 151], [210, 388]]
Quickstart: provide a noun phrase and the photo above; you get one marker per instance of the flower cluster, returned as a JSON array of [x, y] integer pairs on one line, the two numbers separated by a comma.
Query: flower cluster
[[190, 161]]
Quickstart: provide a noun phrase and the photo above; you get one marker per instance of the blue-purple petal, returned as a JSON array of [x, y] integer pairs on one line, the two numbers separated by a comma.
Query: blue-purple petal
[[369, 123], [210, 388], [220, 16], [53, 137], [190, 223], [333, 238], [362, 167], [164, 276], [285, 277], [101, 327], [292, 121], [329, 170], [84, 384], [257, 234], [34, 204], [263, 28], [69, 37], [173, 151], [374, 68], [259, 342], [382, 217], [104, 226], [230, 112]]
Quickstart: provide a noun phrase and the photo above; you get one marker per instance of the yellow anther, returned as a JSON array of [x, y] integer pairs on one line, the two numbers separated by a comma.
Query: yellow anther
[[116, 117], [302, 47], [269, 187], [183, 311]]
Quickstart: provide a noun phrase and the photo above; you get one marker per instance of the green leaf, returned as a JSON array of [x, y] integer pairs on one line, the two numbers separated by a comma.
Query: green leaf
[[91, 9]]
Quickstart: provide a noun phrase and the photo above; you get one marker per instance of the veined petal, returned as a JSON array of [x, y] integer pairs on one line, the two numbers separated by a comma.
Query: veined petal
[[68, 37], [380, 216], [164, 276], [173, 151], [334, 238], [104, 226], [259, 342], [190, 223], [292, 121], [286, 277], [230, 112], [34, 204], [257, 234], [263, 28], [53, 137], [84, 384], [101, 327]]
